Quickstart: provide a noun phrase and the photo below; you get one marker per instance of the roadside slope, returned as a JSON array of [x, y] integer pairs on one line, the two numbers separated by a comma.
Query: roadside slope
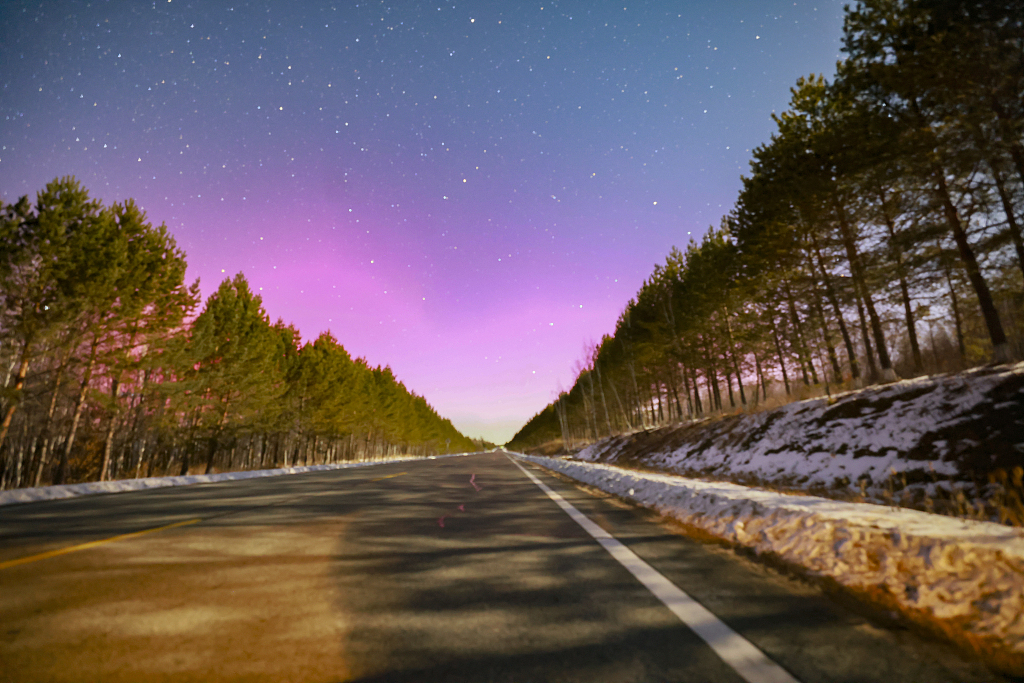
[[941, 443]]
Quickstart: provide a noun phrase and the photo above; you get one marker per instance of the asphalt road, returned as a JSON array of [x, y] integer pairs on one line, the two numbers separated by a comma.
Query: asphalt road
[[454, 569]]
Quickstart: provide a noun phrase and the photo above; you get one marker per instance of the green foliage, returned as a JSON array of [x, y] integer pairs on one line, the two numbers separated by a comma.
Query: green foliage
[[542, 428], [114, 370], [886, 204]]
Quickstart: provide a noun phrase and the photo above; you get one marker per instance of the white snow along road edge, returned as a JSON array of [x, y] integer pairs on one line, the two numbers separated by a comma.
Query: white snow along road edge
[[30, 495], [945, 567]]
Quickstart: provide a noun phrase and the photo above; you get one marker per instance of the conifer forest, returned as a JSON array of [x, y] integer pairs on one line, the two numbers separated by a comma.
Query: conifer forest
[[111, 369], [877, 236]]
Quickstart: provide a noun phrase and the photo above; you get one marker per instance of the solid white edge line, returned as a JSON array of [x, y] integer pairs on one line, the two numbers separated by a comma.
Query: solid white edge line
[[735, 650]]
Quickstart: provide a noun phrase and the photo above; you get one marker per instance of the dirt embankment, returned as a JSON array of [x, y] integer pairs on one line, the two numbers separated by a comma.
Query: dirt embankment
[[952, 444]]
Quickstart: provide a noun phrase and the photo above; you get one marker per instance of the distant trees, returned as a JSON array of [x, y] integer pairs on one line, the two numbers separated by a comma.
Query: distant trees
[[109, 371], [878, 235]]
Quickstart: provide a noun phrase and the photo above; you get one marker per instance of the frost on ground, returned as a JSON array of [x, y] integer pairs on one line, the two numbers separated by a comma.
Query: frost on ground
[[929, 443], [964, 576], [29, 495]]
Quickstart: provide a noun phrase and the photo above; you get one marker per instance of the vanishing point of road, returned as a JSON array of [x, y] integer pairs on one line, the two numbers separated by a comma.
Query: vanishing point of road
[[451, 569]]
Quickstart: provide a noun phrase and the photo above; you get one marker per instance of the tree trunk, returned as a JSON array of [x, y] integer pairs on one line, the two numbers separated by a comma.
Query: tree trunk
[[19, 383], [732, 352], [728, 385], [714, 397], [1007, 125], [1000, 346], [761, 380], [592, 413], [901, 272], [830, 294], [860, 282], [186, 453], [19, 462], [868, 351], [778, 349], [826, 335], [1011, 220], [622, 410], [108, 439], [604, 400], [698, 406], [673, 376], [561, 422], [141, 456], [661, 401], [77, 415], [955, 305], [44, 447], [802, 352]]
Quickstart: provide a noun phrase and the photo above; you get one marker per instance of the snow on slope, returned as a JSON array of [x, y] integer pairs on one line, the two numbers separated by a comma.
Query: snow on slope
[[968, 572], [932, 432]]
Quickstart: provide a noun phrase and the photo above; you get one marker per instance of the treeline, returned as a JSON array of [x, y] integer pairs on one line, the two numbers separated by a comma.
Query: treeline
[[878, 236], [110, 372]]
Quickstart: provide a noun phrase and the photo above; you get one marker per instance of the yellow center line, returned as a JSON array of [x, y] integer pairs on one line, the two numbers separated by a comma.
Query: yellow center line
[[388, 477], [122, 537], [92, 544]]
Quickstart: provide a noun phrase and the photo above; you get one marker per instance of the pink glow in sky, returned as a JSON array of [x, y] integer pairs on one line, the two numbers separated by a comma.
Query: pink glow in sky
[[464, 193]]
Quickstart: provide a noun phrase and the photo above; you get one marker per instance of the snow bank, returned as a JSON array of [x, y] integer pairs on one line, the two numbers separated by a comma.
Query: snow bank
[[967, 572], [29, 495], [916, 439]]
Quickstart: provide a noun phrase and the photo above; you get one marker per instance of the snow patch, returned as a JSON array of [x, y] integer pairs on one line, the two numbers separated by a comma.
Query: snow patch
[[897, 440]]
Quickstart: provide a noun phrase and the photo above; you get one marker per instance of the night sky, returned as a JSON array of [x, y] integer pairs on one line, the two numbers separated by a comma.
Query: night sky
[[466, 192]]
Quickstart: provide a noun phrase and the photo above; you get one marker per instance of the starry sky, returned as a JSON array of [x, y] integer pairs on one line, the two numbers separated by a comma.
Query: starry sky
[[468, 192]]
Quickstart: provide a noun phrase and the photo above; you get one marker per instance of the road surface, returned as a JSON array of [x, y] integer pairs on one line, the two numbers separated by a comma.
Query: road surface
[[453, 569]]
